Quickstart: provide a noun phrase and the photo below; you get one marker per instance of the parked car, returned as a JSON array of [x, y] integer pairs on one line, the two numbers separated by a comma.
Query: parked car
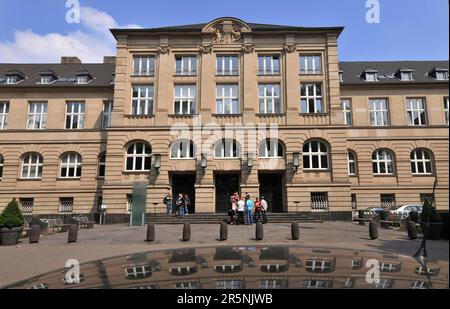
[[375, 210], [406, 209]]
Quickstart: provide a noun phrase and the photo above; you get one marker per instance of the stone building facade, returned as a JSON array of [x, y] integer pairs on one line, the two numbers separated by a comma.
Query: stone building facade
[[210, 109]]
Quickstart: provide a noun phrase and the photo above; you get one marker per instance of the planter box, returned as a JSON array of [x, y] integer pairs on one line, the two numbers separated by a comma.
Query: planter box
[[10, 237]]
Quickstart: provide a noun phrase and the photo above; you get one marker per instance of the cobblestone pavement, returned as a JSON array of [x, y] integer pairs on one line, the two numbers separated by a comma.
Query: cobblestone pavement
[[24, 261]]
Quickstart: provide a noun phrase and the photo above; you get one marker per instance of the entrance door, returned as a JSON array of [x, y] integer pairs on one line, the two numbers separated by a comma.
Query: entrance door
[[185, 184], [271, 187], [226, 185]]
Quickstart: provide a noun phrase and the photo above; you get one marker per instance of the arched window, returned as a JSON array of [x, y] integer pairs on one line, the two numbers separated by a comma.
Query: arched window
[[138, 157], [383, 162], [352, 163], [1, 166], [102, 165], [32, 166], [315, 156], [183, 149], [227, 148], [71, 164], [271, 148], [421, 162]]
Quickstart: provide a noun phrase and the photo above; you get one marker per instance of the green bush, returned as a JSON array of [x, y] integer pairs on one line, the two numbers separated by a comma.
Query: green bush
[[429, 213], [11, 216]]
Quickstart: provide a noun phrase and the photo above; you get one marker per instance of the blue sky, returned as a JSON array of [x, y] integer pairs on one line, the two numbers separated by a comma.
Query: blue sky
[[36, 30]]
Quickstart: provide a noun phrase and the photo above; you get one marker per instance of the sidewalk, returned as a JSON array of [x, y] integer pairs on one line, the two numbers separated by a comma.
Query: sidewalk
[[25, 261]]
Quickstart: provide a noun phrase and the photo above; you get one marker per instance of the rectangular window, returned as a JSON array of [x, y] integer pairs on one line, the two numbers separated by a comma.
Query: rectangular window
[[129, 202], [442, 75], [268, 65], [12, 80], [446, 115], [311, 98], [346, 106], [4, 111], [379, 113], [66, 204], [310, 64], [184, 100], [415, 109], [269, 99], [75, 115], [227, 101], [186, 65], [82, 79], [26, 205], [107, 110], [319, 201], [387, 200], [144, 65], [406, 76], [227, 65], [142, 101], [46, 79], [371, 77], [37, 115], [354, 202]]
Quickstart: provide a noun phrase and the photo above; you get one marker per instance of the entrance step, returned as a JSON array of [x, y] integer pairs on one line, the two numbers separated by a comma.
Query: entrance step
[[219, 218]]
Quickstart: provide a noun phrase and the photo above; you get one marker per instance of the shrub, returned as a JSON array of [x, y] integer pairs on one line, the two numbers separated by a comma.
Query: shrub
[[429, 213], [11, 216]]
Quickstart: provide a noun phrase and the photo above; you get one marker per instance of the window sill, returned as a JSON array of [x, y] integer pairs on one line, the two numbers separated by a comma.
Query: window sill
[[68, 179], [269, 74], [384, 175], [135, 172], [182, 115], [135, 75], [226, 115], [185, 75], [316, 170], [423, 175], [313, 114], [227, 75], [28, 179], [311, 74], [270, 115], [139, 116]]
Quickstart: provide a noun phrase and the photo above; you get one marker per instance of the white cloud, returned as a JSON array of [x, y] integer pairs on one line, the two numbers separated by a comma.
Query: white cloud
[[89, 44]]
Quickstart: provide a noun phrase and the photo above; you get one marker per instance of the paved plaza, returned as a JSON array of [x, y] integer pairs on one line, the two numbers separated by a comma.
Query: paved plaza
[[24, 261]]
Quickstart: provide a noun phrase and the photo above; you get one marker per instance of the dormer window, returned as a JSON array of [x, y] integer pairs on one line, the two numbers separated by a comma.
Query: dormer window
[[11, 80], [405, 74], [442, 75], [341, 76], [370, 75], [14, 77], [82, 79]]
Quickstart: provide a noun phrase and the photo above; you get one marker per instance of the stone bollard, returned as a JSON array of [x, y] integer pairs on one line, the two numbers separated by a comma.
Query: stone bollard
[[150, 233], [73, 233], [295, 231], [412, 230], [259, 231], [373, 230], [35, 234], [186, 232], [223, 231]]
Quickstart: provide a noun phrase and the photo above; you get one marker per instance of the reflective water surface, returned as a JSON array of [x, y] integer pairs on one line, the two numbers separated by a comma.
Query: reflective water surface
[[258, 267]]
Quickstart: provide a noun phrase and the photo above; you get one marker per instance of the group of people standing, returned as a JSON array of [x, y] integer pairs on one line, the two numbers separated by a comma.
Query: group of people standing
[[245, 210], [181, 206]]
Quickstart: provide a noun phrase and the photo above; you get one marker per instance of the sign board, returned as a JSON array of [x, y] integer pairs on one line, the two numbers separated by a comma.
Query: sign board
[[138, 209]]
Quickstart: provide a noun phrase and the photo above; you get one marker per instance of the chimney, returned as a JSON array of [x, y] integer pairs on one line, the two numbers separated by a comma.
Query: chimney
[[109, 60], [70, 60]]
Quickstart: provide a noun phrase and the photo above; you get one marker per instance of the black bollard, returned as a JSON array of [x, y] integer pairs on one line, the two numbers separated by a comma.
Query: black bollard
[[35, 234], [295, 231], [73, 233], [373, 230], [412, 230], [259, 231], [223, 231], [150, 233], [186, 232]]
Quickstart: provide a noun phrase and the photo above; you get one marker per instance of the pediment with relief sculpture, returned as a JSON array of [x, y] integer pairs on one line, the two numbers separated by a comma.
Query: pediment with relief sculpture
[[227, 30]]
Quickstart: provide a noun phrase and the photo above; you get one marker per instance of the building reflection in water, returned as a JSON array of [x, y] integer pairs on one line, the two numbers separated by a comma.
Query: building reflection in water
[[272, 267]]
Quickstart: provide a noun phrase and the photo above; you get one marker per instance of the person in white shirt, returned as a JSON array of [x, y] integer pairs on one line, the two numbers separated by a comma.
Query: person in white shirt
[[264, 207], [241, 210]]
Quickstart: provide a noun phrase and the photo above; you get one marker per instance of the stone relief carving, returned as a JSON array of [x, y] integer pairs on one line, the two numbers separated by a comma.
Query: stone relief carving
[[205, 48], [163, 49], [290, 48], [227, 32], [248, 48]]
